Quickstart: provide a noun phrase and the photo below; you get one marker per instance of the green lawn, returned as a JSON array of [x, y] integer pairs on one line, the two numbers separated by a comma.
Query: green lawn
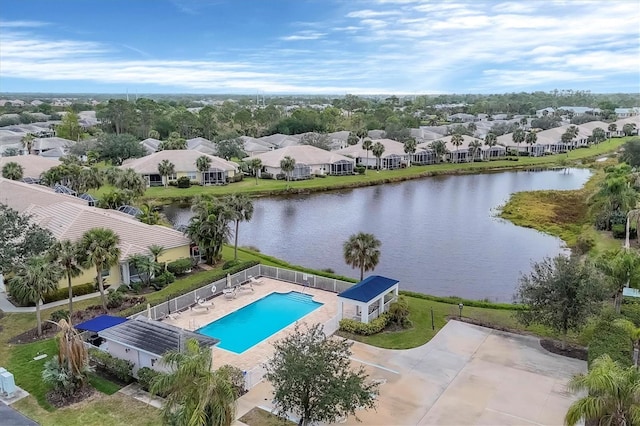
[[422, 330], [372, 177]]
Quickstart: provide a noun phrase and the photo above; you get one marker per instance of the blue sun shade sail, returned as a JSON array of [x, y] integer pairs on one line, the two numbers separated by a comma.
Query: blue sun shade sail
[[100, 323]]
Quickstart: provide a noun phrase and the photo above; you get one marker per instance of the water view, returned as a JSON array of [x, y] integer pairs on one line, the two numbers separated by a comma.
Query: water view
[[439, 235]]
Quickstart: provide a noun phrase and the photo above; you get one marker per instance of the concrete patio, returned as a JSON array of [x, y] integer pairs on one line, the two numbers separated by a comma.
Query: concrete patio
[[466, 375]]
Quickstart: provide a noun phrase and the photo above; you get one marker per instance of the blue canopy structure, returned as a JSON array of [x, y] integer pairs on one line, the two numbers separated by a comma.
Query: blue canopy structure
[[100, 323], [371, 297], [368, 289]]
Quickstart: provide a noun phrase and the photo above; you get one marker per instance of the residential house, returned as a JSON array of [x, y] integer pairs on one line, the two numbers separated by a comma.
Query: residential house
[[41, 145], [462, 118], [32, 165], [253, 146], [578, 110], [69, 217], [627, 112], [220, 170], [150, 145], [202, 145], [545, 111], [458, 154], [279, 140], [309, 161], [393, 156]]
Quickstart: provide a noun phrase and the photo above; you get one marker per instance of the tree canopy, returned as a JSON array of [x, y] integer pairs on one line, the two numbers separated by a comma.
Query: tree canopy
[[117, 148]]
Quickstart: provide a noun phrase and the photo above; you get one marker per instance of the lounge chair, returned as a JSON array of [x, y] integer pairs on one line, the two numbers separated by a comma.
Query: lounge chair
[[230, 293], [254, 280], [199, 308], [247, 286], [205, 303], [173, 316]]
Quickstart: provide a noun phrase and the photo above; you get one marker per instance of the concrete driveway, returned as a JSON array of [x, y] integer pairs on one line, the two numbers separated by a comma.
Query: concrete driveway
[[466, 375]]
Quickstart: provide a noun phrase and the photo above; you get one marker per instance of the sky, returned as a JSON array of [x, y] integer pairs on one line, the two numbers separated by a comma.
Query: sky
[[319, 46]]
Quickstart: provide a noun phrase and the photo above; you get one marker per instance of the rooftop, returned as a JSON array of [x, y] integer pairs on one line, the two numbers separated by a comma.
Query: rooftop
[[369, 288], [184, 160]]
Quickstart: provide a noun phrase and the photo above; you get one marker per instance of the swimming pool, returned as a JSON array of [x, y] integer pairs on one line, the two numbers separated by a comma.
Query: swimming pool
[[250, 325]]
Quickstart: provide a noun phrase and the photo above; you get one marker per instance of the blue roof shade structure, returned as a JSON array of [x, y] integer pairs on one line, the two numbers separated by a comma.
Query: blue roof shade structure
[[369, 288], [30, 180], [100, 323], [631, 292], [61, 189], [89, 198]]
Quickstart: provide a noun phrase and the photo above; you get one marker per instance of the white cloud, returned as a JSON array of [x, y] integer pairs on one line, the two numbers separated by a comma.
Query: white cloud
[[304, 35], [368, 13], [22, 24]]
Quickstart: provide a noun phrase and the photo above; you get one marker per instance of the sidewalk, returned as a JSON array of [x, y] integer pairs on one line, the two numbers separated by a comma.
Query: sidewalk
[[8, 307]]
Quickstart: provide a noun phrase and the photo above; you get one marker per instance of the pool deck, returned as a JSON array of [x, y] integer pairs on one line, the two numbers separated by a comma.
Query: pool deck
[[255, 356]]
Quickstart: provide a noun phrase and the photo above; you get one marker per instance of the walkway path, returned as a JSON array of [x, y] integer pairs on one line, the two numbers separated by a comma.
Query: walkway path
[[6, 306]]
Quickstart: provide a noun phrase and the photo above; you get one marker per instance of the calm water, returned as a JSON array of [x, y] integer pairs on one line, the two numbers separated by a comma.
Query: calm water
[[255, 322], [439, 235]]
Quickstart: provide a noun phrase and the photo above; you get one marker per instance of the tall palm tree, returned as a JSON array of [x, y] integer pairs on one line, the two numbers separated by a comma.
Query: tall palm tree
[[518, 137], [524, 122], [13, 171], [98, 247], [287, 165], [612, 395], [240, 207], [65, 254], [367, 144], [148, 214], [34, 279], [27, 142], [203, 163], [377, 149], [254, 165], [166, 168], [131, 180], [530, 139], [490, 140], [362, 251], [475, 149], [410, 149], [155, 250], [209, 228], [634, 335], [196, 395], [439, 149], [456, 140], [90, 178]]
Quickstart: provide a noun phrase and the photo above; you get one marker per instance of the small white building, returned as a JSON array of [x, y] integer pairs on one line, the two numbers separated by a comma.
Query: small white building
[[371, 297]]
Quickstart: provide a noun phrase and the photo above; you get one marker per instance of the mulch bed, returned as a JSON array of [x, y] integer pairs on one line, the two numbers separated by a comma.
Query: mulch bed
[[59, 400], [553, 346], [50, 330]]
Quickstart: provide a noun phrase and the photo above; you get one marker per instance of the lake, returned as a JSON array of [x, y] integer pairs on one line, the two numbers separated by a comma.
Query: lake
[[440, 235]]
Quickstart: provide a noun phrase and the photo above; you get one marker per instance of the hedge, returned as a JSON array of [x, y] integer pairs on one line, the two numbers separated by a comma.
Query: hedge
[[454, 300], [180, 266], [376, 326], [611, 340], [119, 368], [61, 293]]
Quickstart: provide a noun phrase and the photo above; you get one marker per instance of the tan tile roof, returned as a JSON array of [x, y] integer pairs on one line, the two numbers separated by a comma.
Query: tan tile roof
[[306, 154], [33, 165], [19, 196], [184, 161], [390, 147]]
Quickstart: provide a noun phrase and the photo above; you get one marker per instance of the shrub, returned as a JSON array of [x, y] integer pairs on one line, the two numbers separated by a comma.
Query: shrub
[[266, 175], [230, 264], [611, 340], [63, 293], [56, 316], [619, 231], [180, 266], [235, 376], [146, 376], [631, 311], [360, 170], [183, 182], [320, 175], [399, 312], [114, 299], [584, 244], [376, 326], [163, 280], [121, 369], [281, 176]]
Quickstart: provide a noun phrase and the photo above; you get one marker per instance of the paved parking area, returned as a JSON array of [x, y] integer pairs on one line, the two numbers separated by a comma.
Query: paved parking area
[[466, 375]]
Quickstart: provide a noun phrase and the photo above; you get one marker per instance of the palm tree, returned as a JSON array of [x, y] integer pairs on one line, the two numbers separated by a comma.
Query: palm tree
[[367, 144], [131, 180], [34, 279], [410, 149], [65, 254], [439, 149], [145, 266], [456, 140], [612, 395], [27, 142], [166, 168], [196, 395], [628, 129], [613, 127], [634, 334], [475, 149], [90, 178], [149, 214], [524, 122], [362, 251], [353, 139], [99, 247], [377, 150], [598, 134], [203, 163], [622, 267], [209, 228], [490, 140], [154, 134], [156, 251], [241, 209], [518, 137], [530, 139], [287, 165], [13, 171], [254, 165]]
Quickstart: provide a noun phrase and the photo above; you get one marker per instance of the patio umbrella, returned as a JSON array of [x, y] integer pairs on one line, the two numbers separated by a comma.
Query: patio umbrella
[[148, 311], [228, 281]]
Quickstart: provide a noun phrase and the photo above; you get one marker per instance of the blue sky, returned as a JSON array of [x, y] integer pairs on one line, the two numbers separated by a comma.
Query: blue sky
[[319, 46]]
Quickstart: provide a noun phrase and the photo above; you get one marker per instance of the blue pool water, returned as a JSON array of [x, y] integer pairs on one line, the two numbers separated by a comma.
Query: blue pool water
[[250, 325]]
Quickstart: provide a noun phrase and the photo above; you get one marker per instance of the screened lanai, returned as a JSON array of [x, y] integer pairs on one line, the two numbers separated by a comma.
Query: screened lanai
[[424, 157], [214, 177], [371, 297], [301, 171], [391, 162], [341, 167]]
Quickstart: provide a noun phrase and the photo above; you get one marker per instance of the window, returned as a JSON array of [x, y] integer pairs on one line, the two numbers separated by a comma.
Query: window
[[192, 175], [172, 177], [105, 273]]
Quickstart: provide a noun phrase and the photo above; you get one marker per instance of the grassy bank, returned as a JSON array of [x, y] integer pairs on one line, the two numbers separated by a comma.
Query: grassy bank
[[372, 177]]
